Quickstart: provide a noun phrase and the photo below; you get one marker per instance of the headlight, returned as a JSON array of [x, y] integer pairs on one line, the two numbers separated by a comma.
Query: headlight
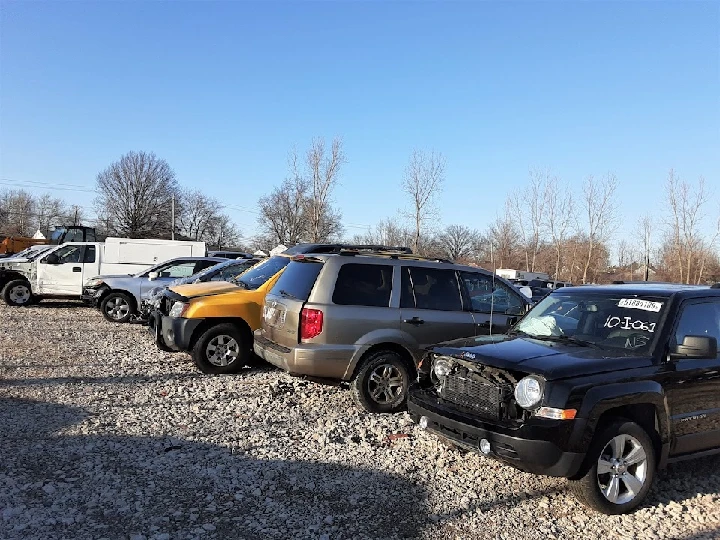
[[528, 392], [442, 367], [94, 282], [178, 309]]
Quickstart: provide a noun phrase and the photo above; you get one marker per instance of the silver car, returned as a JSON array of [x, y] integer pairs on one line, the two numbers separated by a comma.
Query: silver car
[[366, 318]]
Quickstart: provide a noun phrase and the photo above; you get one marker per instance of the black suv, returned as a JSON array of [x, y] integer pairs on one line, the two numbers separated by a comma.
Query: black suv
[[599, 384]]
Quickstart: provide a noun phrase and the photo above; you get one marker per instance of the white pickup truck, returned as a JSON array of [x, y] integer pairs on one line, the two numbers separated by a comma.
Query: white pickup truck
[[61, 272]]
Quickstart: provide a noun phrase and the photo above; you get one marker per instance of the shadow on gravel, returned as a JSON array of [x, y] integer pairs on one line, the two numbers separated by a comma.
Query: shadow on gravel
[[60, 304], [55, 484]]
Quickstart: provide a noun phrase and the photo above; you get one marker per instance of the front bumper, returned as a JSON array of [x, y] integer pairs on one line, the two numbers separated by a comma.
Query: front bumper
[[175, 333], [535, 448], [92, 296], [309, 359]]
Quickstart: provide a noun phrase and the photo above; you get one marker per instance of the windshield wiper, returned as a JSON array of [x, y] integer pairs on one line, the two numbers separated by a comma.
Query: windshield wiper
[[569, 339]]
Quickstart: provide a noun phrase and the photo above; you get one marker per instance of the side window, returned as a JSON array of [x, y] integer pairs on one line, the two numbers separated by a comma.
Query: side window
[[484, 296], [178, 270], [69, 254], [700, 319], [432, 289], [363, 285], [89, 256], [233, 271]]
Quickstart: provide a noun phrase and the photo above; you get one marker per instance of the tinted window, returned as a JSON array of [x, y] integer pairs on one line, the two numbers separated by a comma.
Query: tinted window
[[434, 289], [298, 280], [260, 273], [699, 320], [487, 294], [89, 256], [363, 285], [204, 265]]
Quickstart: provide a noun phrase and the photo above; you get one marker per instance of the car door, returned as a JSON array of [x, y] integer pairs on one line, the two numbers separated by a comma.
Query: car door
[[64, 277], [692, 385], [495, 306], [431, 306]]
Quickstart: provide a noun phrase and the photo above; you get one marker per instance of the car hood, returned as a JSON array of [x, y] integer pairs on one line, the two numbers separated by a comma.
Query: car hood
[[208, 288], [551, 360]]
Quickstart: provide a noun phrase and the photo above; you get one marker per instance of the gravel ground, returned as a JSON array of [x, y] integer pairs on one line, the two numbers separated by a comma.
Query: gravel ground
[[103, 436]]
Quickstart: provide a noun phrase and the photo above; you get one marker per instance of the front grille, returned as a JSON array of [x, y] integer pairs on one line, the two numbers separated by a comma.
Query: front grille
[[464, 390]]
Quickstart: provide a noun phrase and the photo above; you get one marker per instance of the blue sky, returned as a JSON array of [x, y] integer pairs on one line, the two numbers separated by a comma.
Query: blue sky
[[222, 91]]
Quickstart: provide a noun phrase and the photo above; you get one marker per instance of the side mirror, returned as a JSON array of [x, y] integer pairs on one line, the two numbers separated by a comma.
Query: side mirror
[[153, 275], [696, 347], [51, 259]]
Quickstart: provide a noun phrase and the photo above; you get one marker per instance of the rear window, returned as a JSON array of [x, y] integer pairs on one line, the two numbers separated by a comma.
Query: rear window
[[363, 285], [257, 275], [298, 280]]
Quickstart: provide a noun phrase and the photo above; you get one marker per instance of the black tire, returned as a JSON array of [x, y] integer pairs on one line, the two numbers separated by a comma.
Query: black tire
[[17, 293], [117, 307], [589, 487], [381, 384], [222, 349]]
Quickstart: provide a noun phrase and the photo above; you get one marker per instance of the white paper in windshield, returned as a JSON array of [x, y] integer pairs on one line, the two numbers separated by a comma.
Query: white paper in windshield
[[636, 303]]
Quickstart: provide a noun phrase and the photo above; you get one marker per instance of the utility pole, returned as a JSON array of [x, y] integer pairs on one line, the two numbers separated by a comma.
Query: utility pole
[[172, 232]]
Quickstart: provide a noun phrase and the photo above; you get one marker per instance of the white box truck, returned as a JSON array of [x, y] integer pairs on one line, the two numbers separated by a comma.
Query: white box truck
[[61, 272], [521, 275]]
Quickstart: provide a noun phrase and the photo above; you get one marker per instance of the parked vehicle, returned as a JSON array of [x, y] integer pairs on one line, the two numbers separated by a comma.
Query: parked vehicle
[[214, 321], [364, 318], [119, 297], [521, 275], [62, 270], [600, 384], [224, 271], [73, 233]]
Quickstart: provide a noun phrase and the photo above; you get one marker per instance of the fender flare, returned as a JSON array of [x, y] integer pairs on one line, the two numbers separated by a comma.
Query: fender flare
[[601, 399]]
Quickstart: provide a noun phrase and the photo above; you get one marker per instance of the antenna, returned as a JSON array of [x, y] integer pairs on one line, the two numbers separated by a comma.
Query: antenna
[[492, 292]]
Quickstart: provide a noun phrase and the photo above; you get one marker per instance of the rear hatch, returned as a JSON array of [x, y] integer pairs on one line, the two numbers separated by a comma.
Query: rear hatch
[[283, 313]]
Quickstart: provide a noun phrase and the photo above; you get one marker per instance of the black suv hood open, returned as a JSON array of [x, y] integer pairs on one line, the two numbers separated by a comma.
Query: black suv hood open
[[552, 360]]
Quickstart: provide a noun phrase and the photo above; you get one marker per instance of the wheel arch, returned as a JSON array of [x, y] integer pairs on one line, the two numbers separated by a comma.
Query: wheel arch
[[208, 323], [383, 346]]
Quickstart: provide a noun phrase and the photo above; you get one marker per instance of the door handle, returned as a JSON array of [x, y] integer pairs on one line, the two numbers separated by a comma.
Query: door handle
[[77, 269], [484, 324], [414, 320]]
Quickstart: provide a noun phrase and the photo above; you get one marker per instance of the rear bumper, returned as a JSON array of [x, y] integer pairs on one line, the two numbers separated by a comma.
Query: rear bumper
[[175, 332], [542, 455], [310, 359]]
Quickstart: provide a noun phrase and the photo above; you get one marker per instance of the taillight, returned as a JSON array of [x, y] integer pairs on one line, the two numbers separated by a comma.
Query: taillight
[[311, 323]]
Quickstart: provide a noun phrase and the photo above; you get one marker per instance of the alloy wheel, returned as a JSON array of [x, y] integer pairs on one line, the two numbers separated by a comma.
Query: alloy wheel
[[385, 383], [117, 308], [622, 469], [222, 350]]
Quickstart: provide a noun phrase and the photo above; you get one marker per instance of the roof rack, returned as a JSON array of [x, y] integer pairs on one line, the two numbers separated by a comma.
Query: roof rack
[[337, 248], [393, 255], [641, 282]]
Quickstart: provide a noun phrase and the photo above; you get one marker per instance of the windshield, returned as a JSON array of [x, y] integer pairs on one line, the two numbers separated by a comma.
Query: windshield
[[613, 322], [35, 253], [257, 275]]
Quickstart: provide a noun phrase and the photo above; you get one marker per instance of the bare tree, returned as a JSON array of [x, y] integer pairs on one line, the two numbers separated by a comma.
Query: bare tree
[[528, 210], [195, 214], [323, 169], [18, 211], [135, 193], [223, 233], [424, 177], [389, 232], [599, 210], [282, 213], [504, 240], [559, 217], [687, 212], [645, 227], [458, 242]]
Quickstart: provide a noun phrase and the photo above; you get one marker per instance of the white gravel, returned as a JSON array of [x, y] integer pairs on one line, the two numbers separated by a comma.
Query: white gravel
[[103, 436]]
